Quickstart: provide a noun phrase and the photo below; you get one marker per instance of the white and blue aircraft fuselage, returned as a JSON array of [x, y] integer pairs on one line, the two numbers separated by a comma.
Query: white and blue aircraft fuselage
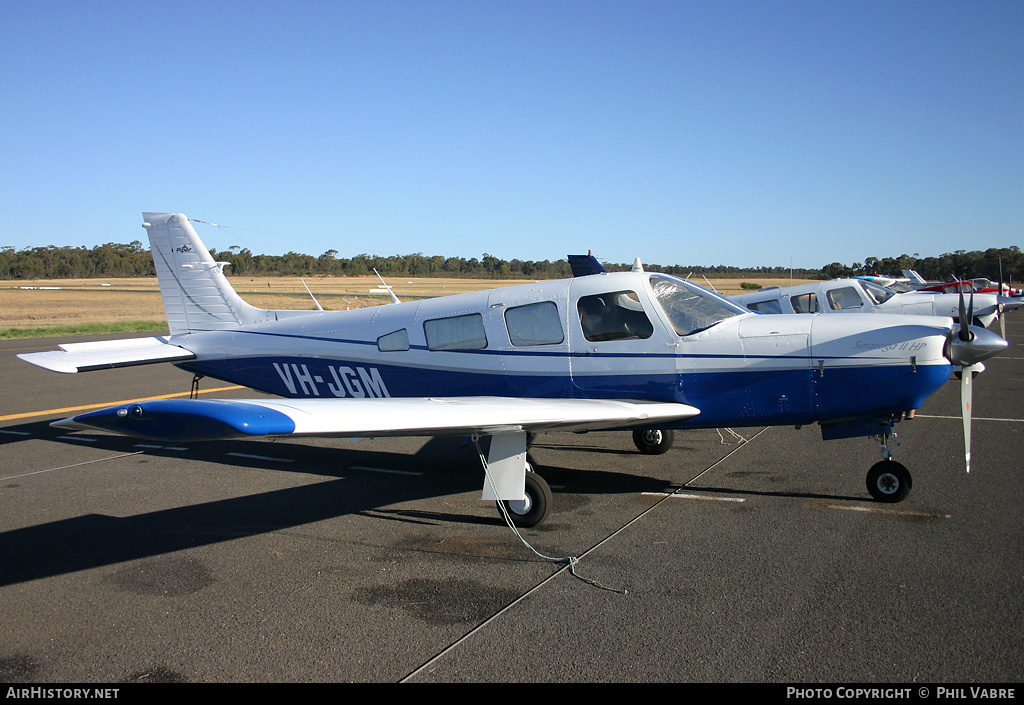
[[640, 351]]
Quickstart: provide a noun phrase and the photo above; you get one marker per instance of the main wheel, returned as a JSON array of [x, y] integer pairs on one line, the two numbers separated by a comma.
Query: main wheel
[[888, 481], [532, 510], [653, 441]]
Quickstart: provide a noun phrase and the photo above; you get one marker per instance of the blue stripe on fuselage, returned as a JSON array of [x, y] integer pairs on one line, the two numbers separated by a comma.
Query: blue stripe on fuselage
[[745, 397]]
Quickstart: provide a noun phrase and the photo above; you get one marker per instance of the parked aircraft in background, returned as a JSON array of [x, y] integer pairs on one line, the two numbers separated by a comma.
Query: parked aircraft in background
[[967, 286], [638, 351], [859, 295], [980, 285], [881, 280]]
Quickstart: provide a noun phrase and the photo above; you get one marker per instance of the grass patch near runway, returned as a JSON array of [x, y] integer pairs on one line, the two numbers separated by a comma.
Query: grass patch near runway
[[84, 329]]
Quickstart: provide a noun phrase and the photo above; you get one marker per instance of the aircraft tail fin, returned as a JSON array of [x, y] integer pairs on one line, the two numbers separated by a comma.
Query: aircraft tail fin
[[583, 265], [913, 276], [196, 294]]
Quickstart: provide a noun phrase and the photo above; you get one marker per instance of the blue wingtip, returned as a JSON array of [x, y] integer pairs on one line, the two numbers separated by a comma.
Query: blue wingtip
[[188, 420]]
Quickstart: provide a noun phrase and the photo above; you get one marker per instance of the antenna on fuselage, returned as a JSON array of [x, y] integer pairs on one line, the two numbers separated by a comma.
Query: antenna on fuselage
[[637, 267], [318, 306], [384, 284]]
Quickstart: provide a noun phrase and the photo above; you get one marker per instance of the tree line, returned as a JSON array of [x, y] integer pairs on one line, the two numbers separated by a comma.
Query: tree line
[[134, 260]]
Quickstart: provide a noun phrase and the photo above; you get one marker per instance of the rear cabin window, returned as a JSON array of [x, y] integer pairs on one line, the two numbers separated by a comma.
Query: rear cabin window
[[534, 324], [456, 333], [614, 316], [805, 303], [394, 342], [844, 298], [770, 306]]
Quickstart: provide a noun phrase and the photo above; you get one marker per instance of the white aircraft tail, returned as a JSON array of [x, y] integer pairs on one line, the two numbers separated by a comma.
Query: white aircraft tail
[[913, 276], [196, 294]]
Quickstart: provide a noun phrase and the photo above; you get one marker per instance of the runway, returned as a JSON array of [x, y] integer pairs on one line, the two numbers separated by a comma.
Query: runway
[[316, 560]]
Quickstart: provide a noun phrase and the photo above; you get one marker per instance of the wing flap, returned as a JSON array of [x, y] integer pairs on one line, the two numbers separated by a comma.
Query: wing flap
[[105, 354], [207, 419]]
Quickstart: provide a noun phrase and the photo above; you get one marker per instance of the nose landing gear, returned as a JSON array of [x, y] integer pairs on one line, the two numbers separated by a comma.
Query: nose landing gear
[[887, 480]]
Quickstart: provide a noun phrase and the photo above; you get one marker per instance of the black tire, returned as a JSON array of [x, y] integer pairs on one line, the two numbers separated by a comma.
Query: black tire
[[534, 508], [888, 481], [653, 441]]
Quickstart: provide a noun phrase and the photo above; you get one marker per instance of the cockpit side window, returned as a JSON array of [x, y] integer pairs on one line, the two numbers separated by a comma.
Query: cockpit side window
[[804, 303], [613, 316], [844, 298], [691, 308]]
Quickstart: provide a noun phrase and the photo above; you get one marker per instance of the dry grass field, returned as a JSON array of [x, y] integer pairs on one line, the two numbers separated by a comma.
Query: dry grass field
[[68, 305]]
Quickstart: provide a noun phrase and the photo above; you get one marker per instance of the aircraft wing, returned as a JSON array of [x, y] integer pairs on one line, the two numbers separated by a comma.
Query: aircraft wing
[[210, 419], [103, 354]]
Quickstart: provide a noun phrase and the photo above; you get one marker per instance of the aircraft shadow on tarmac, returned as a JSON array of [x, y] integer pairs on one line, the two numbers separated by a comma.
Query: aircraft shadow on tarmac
[[93, 540], [449, 465]]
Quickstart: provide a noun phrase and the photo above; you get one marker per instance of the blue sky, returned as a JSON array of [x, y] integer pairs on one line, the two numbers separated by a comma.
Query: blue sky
[[746, 133]]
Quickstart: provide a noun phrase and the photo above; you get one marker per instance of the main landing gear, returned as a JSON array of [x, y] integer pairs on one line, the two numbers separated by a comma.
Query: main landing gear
[[507, 468], [887, 480], [653, 441], [530, 511]]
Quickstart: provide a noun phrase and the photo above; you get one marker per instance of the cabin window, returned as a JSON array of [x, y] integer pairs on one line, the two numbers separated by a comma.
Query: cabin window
[[456, 333], [394, 342], [534, 324], [691, 308], [770, 306], [805, 303], [844, 298], [613, 316]]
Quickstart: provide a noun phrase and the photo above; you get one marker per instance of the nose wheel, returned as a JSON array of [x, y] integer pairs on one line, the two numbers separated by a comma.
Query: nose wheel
[[888, 481]]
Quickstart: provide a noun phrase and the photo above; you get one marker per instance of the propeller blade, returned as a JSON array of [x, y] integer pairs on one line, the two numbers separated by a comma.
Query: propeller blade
[[965, 331], [1000, 310], [966, 394]]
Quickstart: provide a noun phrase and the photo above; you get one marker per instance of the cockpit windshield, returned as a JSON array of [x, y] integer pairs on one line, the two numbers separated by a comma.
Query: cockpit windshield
[[879, 294], [689, 307]]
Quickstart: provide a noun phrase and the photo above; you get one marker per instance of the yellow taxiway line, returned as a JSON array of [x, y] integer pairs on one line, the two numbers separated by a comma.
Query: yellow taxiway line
[[70, 409]]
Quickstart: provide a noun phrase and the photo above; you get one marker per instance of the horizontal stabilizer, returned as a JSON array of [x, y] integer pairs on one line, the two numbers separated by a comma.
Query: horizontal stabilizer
[[104, 354], [210, 419]]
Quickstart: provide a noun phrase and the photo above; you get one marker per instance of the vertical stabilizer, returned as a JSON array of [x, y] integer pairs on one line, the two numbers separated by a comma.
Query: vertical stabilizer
[[196, 294], [913, 276]]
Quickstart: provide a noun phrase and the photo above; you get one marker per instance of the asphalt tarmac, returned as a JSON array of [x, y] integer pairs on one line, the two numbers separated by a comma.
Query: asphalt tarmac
[[306, 561]]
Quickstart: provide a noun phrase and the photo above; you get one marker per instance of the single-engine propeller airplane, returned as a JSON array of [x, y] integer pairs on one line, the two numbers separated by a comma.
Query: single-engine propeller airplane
[[860, 295], [637, 351]]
